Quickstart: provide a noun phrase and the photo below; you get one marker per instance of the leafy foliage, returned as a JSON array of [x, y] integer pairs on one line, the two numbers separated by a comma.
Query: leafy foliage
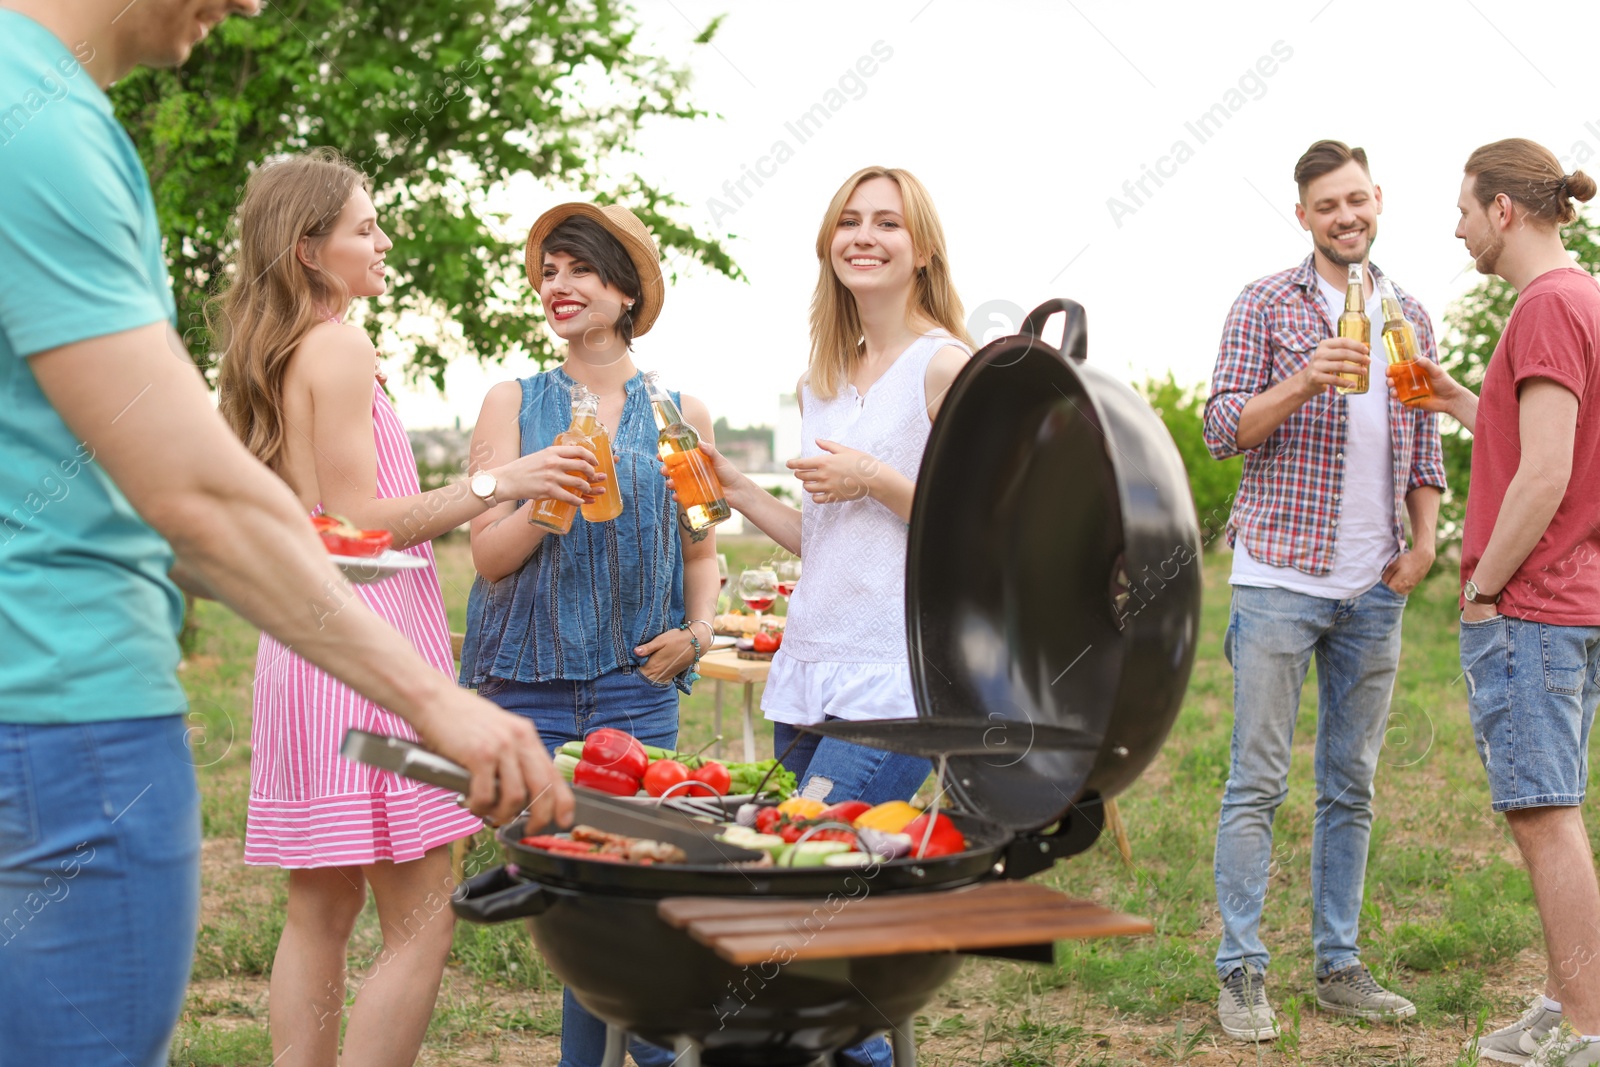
[[1472, 328], [1213, 483], [440, 101]]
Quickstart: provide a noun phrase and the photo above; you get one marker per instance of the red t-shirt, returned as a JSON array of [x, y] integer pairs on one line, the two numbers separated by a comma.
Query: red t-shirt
[[1554, 333]]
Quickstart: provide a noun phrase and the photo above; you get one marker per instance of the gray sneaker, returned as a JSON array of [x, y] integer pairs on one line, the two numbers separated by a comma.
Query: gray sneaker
[[1515, 1043], [1353, 991], [1564, 1047], [1242, 1007]]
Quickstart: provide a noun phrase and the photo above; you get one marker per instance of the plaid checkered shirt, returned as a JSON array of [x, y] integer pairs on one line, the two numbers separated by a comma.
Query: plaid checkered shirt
[[1287, 506]]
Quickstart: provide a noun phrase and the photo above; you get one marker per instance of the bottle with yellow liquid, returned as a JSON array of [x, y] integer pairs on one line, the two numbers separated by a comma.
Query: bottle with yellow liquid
[[1411, 385], [1355, 325], [587, 430], [700, 501], [584, 430]]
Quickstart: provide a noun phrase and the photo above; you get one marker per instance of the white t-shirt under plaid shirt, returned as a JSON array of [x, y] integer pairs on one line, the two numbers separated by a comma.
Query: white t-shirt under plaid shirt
[[1286, 511]]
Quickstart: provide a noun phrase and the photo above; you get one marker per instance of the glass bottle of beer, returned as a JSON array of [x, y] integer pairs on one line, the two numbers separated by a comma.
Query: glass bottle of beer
[[700, 500], [1411, 383], [587, 430], [1355, 325], [556, 515]]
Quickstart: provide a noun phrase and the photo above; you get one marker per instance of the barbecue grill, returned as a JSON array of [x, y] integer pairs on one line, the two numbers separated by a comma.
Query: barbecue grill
[[1052, 602]]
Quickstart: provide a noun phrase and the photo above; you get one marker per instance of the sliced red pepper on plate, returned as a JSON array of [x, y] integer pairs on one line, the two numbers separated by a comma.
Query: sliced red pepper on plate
[[341, 538]]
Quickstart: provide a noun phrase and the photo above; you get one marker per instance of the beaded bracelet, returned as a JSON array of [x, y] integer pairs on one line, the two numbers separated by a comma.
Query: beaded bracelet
[[698, 651], [692, 674]]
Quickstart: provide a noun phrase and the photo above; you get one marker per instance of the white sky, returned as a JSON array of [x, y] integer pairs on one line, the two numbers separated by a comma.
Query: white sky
[[1022, 119]]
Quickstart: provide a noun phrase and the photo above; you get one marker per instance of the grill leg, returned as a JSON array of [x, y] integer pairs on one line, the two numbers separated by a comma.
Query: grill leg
[[616, 1047], [903, 1043]]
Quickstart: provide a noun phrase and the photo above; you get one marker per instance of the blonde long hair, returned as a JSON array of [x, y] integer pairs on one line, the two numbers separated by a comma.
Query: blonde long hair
[[835, 320], [272, 300]]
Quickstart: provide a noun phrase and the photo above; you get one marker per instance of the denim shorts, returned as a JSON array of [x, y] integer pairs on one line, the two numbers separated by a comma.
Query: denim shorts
[[564, 710], [99, 890], [1532, 689]]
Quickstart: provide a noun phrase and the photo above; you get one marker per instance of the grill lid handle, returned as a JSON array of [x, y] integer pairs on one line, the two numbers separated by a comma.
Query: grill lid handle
[[1075, 335]]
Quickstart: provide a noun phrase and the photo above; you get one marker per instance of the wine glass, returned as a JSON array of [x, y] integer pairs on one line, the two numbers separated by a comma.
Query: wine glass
[[758, 589], [788, 572]]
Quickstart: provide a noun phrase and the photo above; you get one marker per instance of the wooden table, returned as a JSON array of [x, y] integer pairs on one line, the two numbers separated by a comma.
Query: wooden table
[[725, 665]]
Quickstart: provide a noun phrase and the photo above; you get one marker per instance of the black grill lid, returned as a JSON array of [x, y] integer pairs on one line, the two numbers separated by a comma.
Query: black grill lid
[[1052, 575]]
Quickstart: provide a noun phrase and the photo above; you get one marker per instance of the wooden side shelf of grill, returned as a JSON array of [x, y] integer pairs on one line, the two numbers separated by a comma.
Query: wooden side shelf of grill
[[993, 915]]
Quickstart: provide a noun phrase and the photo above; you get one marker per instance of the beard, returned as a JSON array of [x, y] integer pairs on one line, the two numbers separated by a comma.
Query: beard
[[1487, 260], [1344, 259]]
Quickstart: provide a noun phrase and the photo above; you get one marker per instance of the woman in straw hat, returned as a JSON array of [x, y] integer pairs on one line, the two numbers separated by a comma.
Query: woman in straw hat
[[600, 626], [300, 388]]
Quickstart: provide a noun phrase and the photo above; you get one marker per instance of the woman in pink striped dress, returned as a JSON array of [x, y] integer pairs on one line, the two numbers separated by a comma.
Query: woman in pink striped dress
[[303, 392]]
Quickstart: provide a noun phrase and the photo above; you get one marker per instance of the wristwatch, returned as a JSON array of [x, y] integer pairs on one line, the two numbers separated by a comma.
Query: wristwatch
[[483, 485], [1473, 595]]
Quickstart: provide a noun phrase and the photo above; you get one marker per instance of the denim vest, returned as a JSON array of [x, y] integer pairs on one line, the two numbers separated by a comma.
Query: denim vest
[[584, 600]]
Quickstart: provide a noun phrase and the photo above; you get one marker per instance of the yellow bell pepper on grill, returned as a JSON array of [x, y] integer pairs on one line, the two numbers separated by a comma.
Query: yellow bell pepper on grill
[[798, 808], [891, 817]]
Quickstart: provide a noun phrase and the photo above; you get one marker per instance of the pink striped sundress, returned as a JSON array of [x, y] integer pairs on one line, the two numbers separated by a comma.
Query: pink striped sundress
[[310, 807]]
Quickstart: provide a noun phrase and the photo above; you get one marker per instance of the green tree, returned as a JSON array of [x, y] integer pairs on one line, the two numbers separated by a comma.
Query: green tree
[[437, 100], [1213, 483], [1472, 328]]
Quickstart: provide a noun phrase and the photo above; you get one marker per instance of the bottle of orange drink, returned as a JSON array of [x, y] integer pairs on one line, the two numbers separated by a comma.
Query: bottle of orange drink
[[700, 500], [586, 431]]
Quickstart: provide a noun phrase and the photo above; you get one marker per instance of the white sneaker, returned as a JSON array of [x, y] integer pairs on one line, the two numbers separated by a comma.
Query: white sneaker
[[1518, 1042]]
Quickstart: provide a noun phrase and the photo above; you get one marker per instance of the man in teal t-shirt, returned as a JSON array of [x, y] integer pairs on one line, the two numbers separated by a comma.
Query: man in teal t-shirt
[[89, 616], [118, 482]]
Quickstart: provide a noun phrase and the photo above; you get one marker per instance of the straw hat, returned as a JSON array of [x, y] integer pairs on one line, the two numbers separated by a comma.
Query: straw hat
[[631, 233]]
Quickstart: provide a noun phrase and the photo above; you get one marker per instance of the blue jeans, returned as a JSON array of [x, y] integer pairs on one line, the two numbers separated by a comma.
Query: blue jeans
[[565, 710], [1531, 690], [856, 771], [1272, 635], [568, 711], [99, 890]]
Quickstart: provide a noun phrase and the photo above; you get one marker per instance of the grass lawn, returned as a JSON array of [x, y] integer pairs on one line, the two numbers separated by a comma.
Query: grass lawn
[[1448, 918]]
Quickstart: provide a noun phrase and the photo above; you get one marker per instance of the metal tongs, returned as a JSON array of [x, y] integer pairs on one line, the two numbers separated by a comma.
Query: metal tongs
[[410, 760]]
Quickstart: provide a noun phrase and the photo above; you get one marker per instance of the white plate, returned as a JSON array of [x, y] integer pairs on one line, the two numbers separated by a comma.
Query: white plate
[[723, 641], [364, 569]]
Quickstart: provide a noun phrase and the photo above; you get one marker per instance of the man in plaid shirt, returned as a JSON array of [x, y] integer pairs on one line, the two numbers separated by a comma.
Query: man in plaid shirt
[[1320, 567]]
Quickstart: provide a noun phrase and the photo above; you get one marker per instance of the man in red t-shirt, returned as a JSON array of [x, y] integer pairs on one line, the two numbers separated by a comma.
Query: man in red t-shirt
[[1530, 621]]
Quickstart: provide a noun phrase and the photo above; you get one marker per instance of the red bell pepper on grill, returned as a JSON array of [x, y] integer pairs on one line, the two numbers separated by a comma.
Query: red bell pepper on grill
[[833, 835], [616, 751], [846, 811], [945, 840], [606, 780]]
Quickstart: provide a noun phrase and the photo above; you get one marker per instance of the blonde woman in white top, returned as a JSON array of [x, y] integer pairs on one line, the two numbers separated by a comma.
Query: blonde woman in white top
[[887, 340]]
